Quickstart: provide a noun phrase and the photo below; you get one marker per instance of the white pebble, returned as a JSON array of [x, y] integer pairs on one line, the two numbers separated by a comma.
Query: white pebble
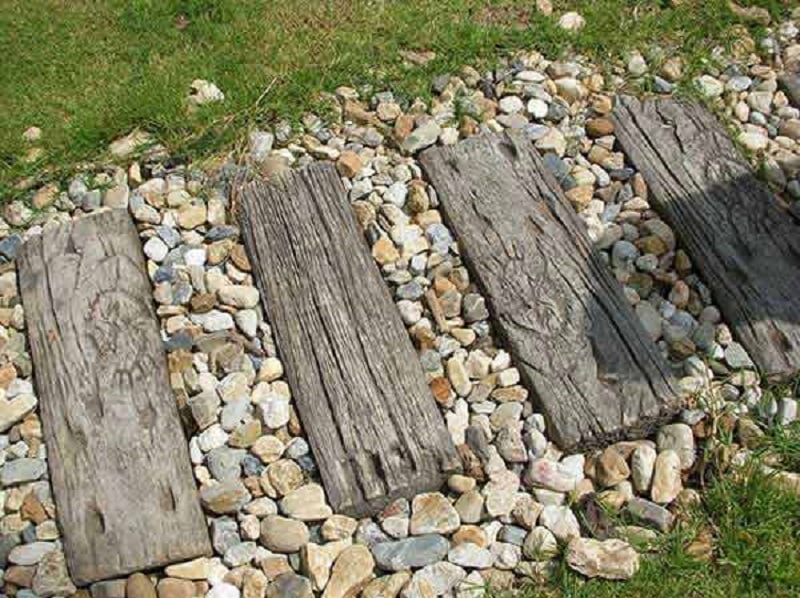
[[537, 108], [223, 590], [195, 256], [156, 249], [213, 437], [511, 105]]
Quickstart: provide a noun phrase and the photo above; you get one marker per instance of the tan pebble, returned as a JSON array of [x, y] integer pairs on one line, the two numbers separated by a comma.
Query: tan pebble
[[218, 251], [583, 488], [354, 111], [432, 513], [338, 527], [602, 104], [12, 523], [651, 244], [275, 565], [203, 302], [599, 127], [283, 535], [45, 196], [365, 213], [140, 586], [526, 511], [349, 164], [425, 219], [198, 568], [306, 503], [639, 186], [460, 483], [683, 264], [470, 534], [611, 468], [6, 314], [351, 572], [273, 166], [271, 369], [417, 201], [246, 434], [441, 390], [384, 251], [666, 477], [403, 126], [295, 426], [21, 576], [268, 448], [191, 215], [284, 476], [612, 499], [387, 586], [254, 584], [47, 530], [239, 258], [32, 509]]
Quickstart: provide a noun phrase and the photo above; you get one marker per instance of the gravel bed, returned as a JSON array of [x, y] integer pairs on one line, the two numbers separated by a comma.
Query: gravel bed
[[520, 502]]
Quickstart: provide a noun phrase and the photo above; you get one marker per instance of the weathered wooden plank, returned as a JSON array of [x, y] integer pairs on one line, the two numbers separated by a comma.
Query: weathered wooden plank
[[744, 244], [592, 370], [119, 461], [373, 425]]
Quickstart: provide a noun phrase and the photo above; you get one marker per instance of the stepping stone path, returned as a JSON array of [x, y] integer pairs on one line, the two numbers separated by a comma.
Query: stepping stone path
[[594, 372], [519, 498], [734, 229], [362, 397], [119, 467]]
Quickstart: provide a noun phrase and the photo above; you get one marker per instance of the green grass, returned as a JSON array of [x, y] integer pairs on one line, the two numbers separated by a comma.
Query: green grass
[[755, 531], [784, 444], [86, 71]]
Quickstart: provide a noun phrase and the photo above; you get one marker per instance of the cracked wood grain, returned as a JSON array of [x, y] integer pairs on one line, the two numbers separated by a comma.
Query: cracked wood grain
[[592, 370], [740, 238], [119, 461], [374, 428]]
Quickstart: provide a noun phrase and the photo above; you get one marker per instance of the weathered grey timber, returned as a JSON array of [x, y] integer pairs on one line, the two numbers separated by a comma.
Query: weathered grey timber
[[593, 371], [744, 244], [119, 461], [373, 425]]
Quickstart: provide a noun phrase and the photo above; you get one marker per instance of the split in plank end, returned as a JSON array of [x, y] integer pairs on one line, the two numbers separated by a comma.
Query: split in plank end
[[119, 460], [374, 428], [580, 349]]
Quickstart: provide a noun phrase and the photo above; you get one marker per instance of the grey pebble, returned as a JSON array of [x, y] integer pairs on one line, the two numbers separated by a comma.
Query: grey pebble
[[411, 552], [22, 470], [224, 463]]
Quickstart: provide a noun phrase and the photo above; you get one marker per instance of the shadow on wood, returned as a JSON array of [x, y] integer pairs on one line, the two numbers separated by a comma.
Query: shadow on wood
[[740, 237]]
